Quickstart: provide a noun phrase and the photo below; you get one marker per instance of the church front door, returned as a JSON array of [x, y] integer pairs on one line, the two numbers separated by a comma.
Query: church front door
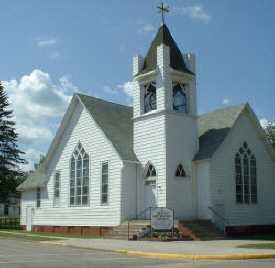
[[151, 196]]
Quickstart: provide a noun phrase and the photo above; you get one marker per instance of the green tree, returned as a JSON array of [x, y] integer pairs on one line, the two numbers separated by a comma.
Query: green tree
[[10, 158], [270, 132]]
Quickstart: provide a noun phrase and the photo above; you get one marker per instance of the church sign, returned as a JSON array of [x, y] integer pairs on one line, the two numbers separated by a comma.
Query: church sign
[[162, 218]]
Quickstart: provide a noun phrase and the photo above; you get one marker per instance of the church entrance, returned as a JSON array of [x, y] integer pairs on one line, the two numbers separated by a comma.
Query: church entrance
[[150, 196]]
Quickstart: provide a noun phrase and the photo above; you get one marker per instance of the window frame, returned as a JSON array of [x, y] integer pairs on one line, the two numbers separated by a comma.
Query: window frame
[[145, 95], [56, 200], [149, 177], [6, 209], [106, 183], [38, 197], [245, 163], [78, 182], [182, 169], [184, 92]]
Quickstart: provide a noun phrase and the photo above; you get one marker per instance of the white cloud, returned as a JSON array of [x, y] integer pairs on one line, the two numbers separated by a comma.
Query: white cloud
[[110, 90], [66, 85], [146, 28], [45, 42], [34, 133], [37, 103], [127, 87], [225, 101], [264, 122], [195, 12]]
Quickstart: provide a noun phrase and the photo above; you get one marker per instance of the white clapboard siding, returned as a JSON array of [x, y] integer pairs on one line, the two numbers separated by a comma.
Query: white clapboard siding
[[182, 144], [150, 146], [202, 194], [129, 191], [82, 128], [223, 177]]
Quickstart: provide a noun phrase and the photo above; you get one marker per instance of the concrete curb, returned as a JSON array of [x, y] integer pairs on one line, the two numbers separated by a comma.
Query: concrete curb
[[200, 257], [193, 257]]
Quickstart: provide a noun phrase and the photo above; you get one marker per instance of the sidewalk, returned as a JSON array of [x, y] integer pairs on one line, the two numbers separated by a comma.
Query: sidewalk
[[187, 250], [217, 249]]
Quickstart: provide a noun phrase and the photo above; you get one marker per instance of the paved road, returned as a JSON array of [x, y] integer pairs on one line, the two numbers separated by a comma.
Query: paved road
[[17, 253]]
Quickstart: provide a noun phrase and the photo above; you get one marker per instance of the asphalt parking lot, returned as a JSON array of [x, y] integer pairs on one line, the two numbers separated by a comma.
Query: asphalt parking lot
[[17, 253]]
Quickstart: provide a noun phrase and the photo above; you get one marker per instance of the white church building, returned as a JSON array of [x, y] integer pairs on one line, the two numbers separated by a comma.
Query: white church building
[[109, 163]]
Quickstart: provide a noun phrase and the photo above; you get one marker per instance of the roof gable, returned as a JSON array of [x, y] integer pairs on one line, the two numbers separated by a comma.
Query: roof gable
[[213, 128], [115, 120], [176, 60]]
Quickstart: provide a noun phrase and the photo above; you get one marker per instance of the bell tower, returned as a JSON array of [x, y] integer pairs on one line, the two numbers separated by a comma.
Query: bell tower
[[165, 118]]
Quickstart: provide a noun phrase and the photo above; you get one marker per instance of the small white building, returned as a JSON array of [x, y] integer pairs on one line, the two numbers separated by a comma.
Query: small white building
[[10, 208], [109, 163]]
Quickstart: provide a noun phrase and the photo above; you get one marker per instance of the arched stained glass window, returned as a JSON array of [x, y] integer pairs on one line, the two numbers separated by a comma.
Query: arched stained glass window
[[150, 98], [79, 177], [245, 176], [180, 171], [179, 98]]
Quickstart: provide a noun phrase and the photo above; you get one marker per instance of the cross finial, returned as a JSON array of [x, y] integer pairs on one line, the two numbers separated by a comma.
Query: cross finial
[[163, 9]]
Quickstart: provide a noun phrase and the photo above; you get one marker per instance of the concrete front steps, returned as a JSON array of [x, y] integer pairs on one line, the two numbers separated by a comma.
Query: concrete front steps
[[201, 230], [121, 231], [189, 230]]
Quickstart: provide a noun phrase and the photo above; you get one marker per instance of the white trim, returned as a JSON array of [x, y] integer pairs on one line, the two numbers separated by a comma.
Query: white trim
[[148, 74]]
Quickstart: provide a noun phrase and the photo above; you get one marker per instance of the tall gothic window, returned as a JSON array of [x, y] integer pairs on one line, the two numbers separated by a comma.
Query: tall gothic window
[[56, 190], [104, 183], [79, 178], [150, 98], [179, 98], [246, 179]]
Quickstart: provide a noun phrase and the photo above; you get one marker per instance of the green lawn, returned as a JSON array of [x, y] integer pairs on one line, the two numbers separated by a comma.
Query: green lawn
[[267, 237], [49, 234], [259, 246], [26, 237]]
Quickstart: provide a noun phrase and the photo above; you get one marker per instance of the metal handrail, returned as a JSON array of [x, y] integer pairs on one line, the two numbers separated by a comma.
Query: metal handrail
[[218, 214], [137, 216]]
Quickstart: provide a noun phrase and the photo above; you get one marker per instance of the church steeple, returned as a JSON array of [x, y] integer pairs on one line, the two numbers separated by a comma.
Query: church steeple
[[165, 114], [164, 37]]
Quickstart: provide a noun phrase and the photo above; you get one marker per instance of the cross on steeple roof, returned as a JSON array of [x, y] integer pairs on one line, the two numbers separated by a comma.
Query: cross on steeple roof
[[163, 9]]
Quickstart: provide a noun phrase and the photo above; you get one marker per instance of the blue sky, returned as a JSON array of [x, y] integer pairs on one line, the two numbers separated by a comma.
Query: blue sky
[[51, 49]]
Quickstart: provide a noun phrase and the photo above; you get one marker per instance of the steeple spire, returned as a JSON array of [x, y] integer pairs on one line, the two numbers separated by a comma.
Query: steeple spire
[[163, 9]]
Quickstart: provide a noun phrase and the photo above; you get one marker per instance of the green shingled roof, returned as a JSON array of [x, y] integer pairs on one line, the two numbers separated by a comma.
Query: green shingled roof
[[213, 128], [34, 180], [176, 60], [116, 122]]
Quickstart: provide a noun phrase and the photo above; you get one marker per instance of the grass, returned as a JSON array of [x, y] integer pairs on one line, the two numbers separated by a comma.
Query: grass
[[26, 237], [49, 234], [259, 246], [267, 237]]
